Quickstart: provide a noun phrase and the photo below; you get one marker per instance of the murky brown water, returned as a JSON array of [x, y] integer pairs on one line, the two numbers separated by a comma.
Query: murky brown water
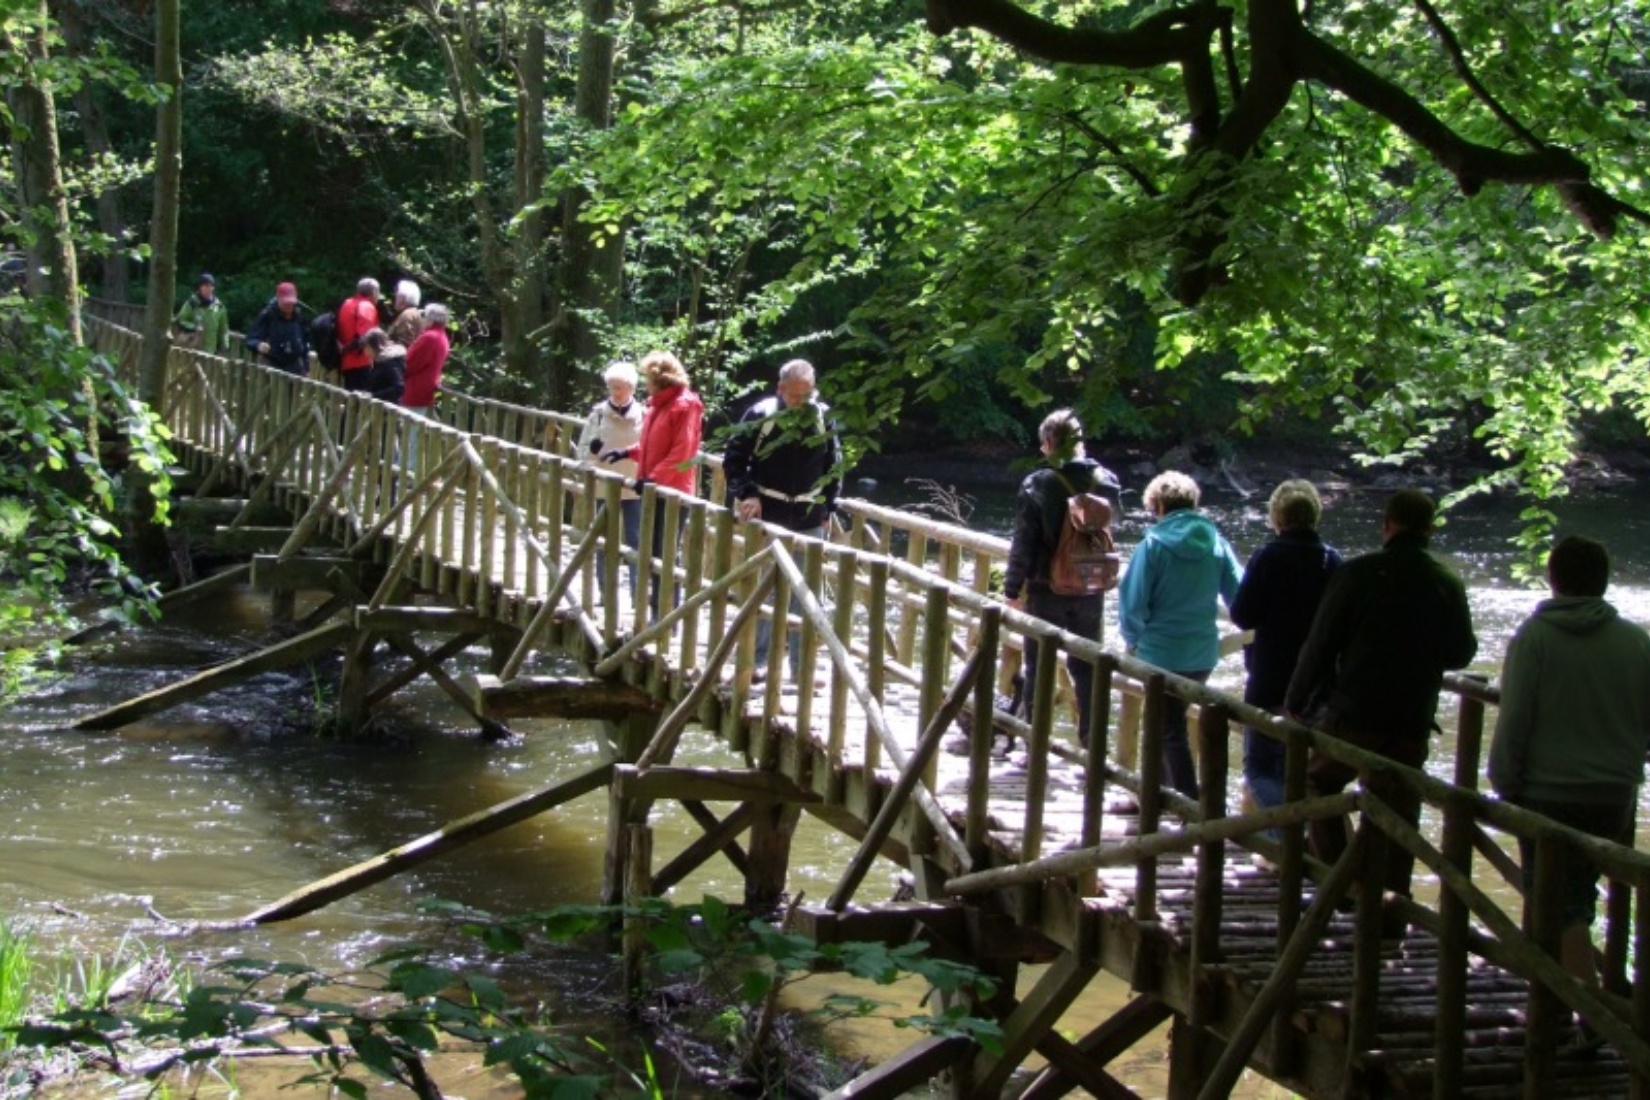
[[217, 807]]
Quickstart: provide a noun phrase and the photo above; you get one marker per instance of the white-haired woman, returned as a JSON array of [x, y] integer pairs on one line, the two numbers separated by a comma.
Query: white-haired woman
[[407, 321], [615, 424], [1167, 605]]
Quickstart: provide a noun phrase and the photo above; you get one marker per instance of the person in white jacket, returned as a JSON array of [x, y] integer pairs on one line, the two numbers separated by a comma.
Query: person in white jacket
[[615, 424]]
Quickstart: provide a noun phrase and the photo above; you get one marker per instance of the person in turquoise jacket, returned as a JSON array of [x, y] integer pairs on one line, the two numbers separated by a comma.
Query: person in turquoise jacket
[[1167, 605], [205, 316]]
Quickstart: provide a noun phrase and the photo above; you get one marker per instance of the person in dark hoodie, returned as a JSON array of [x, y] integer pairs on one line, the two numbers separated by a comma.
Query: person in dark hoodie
[[1039, 510], [1168, 608], [1574, 727], [1283, 583], [387, 377]]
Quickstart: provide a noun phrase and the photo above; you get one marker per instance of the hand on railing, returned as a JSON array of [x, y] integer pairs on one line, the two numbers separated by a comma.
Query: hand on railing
[[641, 483]]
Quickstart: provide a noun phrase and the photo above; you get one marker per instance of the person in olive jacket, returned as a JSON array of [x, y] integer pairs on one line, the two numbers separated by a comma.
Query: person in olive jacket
[[202, 318]]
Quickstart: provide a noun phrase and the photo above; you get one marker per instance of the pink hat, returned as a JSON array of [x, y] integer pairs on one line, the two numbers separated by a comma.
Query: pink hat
[[286, 292]]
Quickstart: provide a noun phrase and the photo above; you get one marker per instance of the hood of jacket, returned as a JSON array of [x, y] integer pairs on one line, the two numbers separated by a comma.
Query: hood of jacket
[[1576, 614], [1187, 534]]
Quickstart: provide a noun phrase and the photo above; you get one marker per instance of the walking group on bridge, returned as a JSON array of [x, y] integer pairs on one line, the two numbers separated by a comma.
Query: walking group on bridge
[[1357, 649]]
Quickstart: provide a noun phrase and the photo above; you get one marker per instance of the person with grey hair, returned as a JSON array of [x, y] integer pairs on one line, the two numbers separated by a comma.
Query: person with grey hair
[[615, 423], [425, 360], [784, 466], [1283, 583], [407, 322], [1039, 513], [1167, 606], [357, 317]]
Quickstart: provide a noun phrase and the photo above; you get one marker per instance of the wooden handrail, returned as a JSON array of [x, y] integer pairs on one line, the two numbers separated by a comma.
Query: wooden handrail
[[906, 616]]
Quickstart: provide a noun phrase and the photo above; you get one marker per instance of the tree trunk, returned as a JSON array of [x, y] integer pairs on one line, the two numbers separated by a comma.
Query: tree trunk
[[148, 540], [114, 283], [523, 304], [52, 272], [589, 275]]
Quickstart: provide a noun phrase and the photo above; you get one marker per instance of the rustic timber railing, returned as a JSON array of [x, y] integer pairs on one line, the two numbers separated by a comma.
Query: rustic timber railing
[[1080, 844]]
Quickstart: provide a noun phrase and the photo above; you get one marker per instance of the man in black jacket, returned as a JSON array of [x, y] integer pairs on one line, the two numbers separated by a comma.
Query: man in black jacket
[[784, 467], [1390, 624], [280, 335], [1039, 511]]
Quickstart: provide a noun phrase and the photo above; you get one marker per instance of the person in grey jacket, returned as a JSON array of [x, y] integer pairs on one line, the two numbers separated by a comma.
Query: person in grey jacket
[[1574, 726]]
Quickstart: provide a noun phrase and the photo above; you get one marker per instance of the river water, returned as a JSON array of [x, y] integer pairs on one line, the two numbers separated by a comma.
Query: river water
[[214, 808]]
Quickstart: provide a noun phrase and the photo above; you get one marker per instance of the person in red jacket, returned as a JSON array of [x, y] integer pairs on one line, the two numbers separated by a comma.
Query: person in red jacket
[[668, 455], [357, 317], [425, 359]]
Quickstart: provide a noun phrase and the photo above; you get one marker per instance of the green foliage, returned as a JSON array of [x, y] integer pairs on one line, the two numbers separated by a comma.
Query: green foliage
[[404, 1006], [58, 529]]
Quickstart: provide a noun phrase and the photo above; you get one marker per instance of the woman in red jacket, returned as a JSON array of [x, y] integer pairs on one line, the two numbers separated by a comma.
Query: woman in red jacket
[[668, 455]]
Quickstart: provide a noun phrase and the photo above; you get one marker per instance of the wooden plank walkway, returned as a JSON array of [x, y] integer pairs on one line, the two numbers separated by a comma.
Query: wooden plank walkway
[[1208, 913]]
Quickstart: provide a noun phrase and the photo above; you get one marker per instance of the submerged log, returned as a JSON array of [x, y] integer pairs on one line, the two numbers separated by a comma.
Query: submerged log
[[294, 651], [559, 697], [454, 834]]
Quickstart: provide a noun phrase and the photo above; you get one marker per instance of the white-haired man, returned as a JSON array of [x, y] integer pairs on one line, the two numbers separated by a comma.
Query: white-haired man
[[784, 467]]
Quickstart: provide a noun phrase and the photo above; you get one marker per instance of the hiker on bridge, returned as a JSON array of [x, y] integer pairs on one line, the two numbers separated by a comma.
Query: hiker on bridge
[[425, 360], [357, 317], [784, 466], [1167, 609], [1391, 623], [1039, 513], [667, 454], [615, 424], [202, 319], [406, 322], [1574, 727], [280, 334], [1283, 584], [387, 377]]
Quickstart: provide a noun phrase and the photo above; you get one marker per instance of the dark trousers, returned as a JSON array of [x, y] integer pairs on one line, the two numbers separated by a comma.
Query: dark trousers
[[1178, 767], [1324, 776], [1079, 615]]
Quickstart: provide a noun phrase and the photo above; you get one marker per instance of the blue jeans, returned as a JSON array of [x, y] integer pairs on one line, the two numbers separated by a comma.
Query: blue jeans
[[1263, 759], [793, 638]]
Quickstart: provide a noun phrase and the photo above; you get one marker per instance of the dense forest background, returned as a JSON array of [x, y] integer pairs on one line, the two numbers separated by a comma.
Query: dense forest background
[[1414, 228]]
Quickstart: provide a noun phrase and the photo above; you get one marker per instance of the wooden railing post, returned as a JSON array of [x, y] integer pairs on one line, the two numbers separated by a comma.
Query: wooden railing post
[[1545, 924], [1450, 1057]]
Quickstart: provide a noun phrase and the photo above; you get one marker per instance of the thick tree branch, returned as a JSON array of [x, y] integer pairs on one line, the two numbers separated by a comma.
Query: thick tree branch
[[1162, 39], [1458, 58], [1472, 164]]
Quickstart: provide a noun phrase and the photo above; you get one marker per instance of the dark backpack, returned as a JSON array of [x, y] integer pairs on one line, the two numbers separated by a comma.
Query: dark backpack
[[323, 337], [1086, 562]]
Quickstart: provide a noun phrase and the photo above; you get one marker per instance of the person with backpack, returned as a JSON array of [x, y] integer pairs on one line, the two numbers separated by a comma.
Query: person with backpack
[[355, 318], [1043, 508], [202, 319], [280, 335], [1167, 606]]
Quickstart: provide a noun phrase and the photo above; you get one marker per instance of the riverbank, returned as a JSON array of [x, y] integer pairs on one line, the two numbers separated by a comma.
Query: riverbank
[[1246, 471]]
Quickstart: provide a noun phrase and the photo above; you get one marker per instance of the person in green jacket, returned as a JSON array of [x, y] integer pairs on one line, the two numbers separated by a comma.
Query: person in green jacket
[[1573, 728], [205, 316]]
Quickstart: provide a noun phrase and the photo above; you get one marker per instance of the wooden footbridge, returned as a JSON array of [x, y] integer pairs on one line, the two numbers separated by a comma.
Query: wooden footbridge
[[1074, 858]]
